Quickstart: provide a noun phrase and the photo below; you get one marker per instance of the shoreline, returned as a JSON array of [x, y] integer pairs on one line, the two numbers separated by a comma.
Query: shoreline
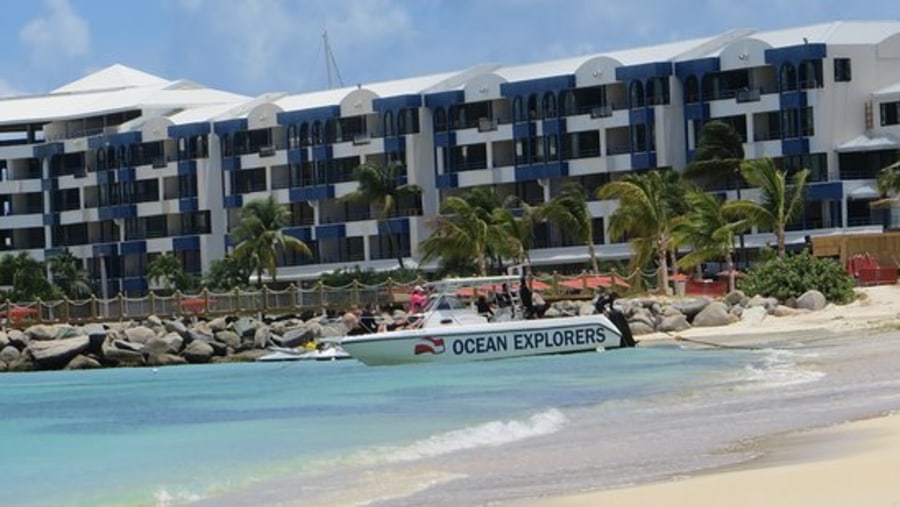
[[853, 462]]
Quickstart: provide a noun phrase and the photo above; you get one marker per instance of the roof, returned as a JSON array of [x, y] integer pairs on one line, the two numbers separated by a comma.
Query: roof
[[113, 89], [871, 141]]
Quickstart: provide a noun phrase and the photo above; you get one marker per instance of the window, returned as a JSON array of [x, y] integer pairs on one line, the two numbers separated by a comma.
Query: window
[[842, 69], [890, 113]]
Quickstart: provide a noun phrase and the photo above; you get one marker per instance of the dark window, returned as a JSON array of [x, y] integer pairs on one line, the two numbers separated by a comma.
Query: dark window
[[890, 113], [842, 69]]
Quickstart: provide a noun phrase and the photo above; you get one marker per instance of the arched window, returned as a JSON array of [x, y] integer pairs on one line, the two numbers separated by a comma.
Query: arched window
[[316, 133], [552, 147], [388, 123], [440, 119], [304, 134], [569, 104], [788, 77], [691, 90], [533, 112], [637, 94], [518, 110], [549, 105]]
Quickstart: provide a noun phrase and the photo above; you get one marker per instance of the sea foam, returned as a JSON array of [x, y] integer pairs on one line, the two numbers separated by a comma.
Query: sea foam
[[489, 434]]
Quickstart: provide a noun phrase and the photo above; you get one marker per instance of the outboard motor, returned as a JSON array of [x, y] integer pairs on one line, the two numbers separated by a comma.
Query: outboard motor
[[604, 305]]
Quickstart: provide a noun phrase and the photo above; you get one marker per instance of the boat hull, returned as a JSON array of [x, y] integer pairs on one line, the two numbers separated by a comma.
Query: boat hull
[[485, 341]]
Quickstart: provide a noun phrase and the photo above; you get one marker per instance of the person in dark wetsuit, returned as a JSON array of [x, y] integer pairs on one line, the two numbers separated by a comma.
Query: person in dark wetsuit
[[483, 307], [367, 320], [525, 297]]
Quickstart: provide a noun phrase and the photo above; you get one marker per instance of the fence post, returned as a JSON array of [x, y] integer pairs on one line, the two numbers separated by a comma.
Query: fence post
[[321, 288], [205, 293], [67, 309], [40, 313], [151, 299], [264, 305], [390, 290], [95, 307], [355, 292], [555, 283], [294, 297], [178, 309], [121, 299], [237, 300]]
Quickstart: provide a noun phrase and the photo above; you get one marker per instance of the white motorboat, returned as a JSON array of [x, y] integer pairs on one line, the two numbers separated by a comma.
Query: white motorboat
[[449, 330], [331, 352]]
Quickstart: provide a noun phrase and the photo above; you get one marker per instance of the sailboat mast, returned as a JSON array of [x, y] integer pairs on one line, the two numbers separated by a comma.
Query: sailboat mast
[[330, 63]]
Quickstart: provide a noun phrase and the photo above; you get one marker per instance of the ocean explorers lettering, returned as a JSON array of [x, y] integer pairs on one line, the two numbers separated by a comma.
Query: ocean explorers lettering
[[529, 341]]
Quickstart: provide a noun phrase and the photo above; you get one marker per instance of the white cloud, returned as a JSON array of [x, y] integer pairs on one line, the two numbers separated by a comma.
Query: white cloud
[[8, 90], [60, 31]]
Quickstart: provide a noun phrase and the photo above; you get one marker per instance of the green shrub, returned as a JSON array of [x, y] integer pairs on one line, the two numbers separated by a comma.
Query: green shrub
[[795, 274]]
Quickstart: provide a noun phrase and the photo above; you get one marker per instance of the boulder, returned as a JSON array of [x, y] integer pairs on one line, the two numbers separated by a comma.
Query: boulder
[[139, 334], [754, 314], [812, 300], [245, 326], [4, 339], [715, 314], [674, 323], [127, 345], [155, 346], [229, 338], [122, 357], [67, 331], [17, 338], [9, 354], [175, 326], [174, 342], [783, 311], [82, 362], [691, 307], [735, 297], [198, 352], [640, 328], [218, 324], [57, 353], [41, 332], [261, 337], [768, 303], [586, 308], [165, 360]]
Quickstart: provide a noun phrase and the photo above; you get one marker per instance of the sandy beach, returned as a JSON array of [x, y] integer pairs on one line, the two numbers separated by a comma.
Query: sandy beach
[[854, 463]]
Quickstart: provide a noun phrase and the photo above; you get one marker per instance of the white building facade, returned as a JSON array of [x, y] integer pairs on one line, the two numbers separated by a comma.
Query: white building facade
[[121, 166]]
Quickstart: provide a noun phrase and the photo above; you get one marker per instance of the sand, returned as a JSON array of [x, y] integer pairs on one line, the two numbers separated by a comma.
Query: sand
[[856, 463]]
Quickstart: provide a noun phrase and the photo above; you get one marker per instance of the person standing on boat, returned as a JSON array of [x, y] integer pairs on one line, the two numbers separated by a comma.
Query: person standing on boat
[[483, 307], [367, 319], [417, 300], [525, 297]]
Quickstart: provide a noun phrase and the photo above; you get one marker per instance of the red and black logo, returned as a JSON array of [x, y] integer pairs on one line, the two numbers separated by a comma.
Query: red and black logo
[[429, 346]]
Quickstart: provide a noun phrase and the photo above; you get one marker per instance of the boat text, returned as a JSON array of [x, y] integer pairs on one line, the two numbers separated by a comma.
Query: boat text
[[529, 341]]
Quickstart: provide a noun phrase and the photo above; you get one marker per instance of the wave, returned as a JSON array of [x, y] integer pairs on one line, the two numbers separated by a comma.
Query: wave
[[780, 368]]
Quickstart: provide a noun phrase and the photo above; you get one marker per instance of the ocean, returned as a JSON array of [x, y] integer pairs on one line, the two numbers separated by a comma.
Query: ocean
[[344, 434]]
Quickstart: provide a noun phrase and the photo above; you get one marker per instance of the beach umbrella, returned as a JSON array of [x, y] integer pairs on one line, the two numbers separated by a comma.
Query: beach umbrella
[[595, 281]]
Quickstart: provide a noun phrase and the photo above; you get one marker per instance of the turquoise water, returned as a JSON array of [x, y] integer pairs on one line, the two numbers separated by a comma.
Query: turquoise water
[[341, 433]]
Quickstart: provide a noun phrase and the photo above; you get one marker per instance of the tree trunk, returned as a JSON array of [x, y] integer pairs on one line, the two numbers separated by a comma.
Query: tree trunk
[[394, 243], [779, 237], [662, 259], [729, 262], [593, 253]]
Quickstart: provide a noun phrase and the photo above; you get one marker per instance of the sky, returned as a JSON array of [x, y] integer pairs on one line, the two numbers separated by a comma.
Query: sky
[[258, 46]]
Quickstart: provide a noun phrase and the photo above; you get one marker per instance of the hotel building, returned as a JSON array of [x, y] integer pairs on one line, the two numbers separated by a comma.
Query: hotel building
[[121, 166]]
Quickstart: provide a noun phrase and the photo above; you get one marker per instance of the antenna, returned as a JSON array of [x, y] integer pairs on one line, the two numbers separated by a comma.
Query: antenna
[[330, 63]]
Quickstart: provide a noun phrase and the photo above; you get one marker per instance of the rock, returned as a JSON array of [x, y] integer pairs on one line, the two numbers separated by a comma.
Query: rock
[[245, 326], [41, 332], [640, 328], [57, 353], [715, 314], [292, 338], [139, 334], [643, 316], [4, 339], [219, 348], [229, 338], [735, 297], [122, 357], [783, 311], [586, 308], [82, 362], [9, 354], [768, 303], [3, 367], [198, 352], [153, 321], [691, 307], [17, 338], [175, 326], [218, 324], [127, 345], [165, 360], [812, 300], [674, 323], [24, 363], [736, 311], [155, 346], [173, 342], [67, 331], [261, 337], [754, 314], [552, 313], [199, 335]]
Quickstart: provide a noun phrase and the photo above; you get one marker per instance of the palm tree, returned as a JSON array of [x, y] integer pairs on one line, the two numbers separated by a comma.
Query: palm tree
[[781, 201], [465, 229], [569, 211], [69, 275], [888, 185], [709, 232], [26, 276], [648, 205], [381, 186], [167, 271], [717, 160], [259, 237]]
